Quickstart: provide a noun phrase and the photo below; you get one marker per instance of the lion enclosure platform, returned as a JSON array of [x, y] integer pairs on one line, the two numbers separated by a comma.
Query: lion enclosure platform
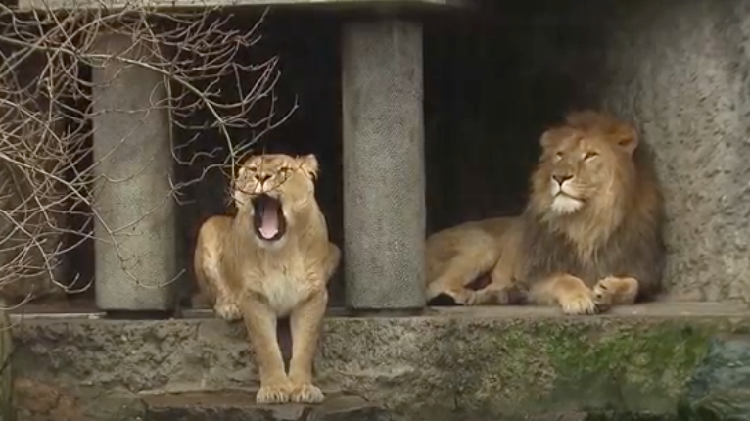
[[425, 118], [666, 362]]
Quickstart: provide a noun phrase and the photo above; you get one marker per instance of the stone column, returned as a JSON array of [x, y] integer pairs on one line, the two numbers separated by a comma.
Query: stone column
[[134, 266], [384, 176]]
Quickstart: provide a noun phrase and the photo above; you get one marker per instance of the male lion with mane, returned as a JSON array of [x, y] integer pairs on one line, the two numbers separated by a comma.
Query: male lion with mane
[[272, 260], [590, 237]]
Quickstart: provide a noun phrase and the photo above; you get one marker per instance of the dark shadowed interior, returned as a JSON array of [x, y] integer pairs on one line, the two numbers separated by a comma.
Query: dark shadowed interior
[[494, 78]]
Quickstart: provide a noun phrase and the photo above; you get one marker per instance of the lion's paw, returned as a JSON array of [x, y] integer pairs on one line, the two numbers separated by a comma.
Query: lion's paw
[[614, 290], [306, 393], [578, 303], [276, 393], [228, 311]]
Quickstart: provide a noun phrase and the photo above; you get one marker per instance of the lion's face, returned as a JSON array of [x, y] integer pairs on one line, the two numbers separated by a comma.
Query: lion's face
[[272, 189], [584, 164]]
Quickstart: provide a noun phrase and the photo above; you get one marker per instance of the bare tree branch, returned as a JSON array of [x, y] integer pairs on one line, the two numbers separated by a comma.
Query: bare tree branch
[[47, 172]]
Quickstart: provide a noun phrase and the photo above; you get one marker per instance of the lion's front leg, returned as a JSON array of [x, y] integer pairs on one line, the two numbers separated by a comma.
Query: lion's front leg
[[261, 321], [306, 322]]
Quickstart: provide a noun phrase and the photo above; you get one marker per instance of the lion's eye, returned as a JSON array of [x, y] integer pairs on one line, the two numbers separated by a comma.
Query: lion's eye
[[558, 156], [590, 155]]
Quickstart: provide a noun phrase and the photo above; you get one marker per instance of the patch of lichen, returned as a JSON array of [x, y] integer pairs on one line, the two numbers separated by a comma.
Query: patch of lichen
[[538, 365], [634, 367]]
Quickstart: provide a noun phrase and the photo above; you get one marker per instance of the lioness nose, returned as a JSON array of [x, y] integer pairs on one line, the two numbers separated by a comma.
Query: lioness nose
[[561, 178], [263, 177]]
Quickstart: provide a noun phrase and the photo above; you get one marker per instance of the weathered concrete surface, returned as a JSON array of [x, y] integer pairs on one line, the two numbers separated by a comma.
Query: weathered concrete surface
[[384, 176], [239, 406], [135, 264], [482, 363]]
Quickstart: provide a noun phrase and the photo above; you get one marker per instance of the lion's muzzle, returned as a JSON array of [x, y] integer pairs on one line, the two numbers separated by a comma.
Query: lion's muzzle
[[269, 220]]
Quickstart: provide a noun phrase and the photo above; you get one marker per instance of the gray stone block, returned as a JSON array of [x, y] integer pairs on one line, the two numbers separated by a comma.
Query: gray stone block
[[384, 176], [135, 228]]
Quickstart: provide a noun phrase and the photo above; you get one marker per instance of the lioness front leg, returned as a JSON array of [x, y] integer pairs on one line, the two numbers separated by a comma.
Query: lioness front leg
[[568, 291], [261, 321], [614, 290], [306, 321]]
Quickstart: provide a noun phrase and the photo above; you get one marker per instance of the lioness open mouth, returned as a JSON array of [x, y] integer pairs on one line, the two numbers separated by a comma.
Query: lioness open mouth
[[270, 224]]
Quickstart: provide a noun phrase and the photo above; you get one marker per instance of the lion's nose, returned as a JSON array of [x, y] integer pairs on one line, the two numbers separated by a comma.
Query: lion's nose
[[561, 178]]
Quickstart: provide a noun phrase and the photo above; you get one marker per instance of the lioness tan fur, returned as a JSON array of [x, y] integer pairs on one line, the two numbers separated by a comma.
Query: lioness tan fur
[[270, 262], [590, 237]]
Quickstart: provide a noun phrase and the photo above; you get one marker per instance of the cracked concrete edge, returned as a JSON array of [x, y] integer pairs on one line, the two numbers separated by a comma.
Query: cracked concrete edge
[[450, 363]]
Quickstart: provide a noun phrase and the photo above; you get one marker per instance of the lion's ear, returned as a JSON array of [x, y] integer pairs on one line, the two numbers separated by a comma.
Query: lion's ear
[[309, 164], [626, 137]]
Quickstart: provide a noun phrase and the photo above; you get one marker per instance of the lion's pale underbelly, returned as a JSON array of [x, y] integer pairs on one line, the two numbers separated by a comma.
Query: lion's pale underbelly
[[283, 288]]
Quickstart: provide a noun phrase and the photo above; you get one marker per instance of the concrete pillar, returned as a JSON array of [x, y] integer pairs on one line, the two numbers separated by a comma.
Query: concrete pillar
[[384, 176], [132, 150]]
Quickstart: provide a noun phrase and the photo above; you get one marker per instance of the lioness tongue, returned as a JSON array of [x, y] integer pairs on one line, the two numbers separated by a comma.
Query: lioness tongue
[[269, 225]]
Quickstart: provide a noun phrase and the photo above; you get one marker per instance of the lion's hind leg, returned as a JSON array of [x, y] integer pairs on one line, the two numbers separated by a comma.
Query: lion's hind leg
[[459, 271]]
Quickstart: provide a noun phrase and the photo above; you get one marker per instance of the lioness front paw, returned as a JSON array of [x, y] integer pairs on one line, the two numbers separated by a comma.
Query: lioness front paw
[[578, 303], [614, 290], [306, 393], [275, 393], [228, 311]]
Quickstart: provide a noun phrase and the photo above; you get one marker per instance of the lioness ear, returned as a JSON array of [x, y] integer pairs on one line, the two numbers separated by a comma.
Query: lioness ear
[[626, 137], [309, 165]]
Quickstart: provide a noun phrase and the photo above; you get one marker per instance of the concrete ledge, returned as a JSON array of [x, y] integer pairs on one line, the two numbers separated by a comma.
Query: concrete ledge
[[480, 363], [239, 406], [115, 5]]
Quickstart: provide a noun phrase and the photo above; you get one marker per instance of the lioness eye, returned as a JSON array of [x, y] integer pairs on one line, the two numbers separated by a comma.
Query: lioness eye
[[558, 156], [253, 168], [590, 155]]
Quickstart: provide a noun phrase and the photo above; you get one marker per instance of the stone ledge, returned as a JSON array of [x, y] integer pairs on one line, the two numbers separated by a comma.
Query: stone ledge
[[114, 5], [480, 363], [240, 406]]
